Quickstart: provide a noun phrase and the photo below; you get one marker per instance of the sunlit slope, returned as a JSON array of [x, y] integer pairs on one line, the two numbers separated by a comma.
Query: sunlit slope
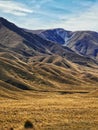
[[40, 73]]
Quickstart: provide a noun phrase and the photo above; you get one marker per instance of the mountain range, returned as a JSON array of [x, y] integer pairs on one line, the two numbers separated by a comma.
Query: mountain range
[[84, 43], [46, 60]]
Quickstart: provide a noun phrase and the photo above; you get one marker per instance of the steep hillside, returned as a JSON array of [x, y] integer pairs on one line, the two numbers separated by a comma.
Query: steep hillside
[[85, 43]]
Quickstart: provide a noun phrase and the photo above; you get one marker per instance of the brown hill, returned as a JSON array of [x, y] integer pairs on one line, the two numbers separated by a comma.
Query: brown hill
[[30, 63]]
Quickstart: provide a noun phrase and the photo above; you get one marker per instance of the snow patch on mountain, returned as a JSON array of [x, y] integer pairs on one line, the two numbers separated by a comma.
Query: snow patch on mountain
[[67, 39]]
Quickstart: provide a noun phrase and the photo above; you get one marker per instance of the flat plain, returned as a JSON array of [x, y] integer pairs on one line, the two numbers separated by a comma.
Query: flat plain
[[51, 111]]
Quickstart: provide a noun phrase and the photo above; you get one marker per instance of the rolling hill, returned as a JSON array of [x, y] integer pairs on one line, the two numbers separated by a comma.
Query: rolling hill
[[30, 62]]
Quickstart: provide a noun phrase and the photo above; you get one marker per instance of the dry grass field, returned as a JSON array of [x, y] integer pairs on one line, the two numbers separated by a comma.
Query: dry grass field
[[51, 111]]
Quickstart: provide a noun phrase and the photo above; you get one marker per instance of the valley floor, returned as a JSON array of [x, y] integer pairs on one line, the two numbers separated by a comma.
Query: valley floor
[[50, 111]]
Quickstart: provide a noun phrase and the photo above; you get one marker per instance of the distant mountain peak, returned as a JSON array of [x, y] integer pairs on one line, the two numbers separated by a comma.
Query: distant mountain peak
[[84, 43]]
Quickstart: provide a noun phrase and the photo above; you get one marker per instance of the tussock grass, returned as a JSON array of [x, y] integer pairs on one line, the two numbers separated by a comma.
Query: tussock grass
[[50, 111]]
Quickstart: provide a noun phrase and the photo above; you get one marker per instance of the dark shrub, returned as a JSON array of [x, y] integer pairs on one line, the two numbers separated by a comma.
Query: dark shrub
[[11, 129], [28, 124]]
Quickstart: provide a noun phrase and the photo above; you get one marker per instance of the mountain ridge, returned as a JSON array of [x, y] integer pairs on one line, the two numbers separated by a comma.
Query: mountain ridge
[[78, 41]]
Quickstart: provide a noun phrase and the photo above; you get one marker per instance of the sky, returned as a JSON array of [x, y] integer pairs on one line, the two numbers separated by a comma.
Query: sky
[[46, 14]]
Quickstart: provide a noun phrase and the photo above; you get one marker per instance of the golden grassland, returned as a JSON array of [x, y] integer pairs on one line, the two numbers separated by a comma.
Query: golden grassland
[[51, 111]]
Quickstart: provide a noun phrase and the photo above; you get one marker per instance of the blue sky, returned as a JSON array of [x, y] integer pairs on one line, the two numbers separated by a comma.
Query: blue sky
[[44, 14]]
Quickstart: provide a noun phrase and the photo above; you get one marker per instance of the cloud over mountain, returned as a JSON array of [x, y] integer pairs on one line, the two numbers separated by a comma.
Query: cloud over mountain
[[15, 8], [68, 14]]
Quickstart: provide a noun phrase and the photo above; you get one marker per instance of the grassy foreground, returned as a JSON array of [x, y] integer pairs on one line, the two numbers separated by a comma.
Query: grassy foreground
[[50, 111]]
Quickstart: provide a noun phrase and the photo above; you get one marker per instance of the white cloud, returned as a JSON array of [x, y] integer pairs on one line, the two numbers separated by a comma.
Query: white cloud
[[87, 20], [15, 12], [14, 8], [84, 17]]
